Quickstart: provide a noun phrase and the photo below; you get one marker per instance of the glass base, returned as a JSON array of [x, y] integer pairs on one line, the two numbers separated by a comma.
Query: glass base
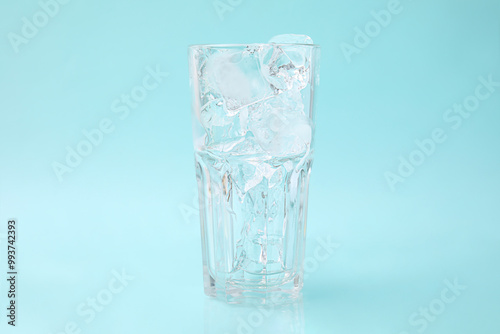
[[231, 293]]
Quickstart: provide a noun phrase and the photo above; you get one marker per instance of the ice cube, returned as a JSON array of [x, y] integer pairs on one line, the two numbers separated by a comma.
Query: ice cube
[[252, 100], [213, 114], [236, 76], [280, 126], [293, 139], [251, 173], [291, 39], [285, 66], [223, 131], [248, 146], [227, 77]]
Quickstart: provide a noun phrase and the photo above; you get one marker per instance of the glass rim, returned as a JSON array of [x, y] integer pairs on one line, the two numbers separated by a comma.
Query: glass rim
[[240, 45]]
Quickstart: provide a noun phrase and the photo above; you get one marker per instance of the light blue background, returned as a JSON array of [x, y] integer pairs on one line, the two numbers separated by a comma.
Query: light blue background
[[129, 204]]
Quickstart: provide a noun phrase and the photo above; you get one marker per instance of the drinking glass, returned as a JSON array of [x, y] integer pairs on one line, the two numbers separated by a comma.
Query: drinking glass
[[253, 130]]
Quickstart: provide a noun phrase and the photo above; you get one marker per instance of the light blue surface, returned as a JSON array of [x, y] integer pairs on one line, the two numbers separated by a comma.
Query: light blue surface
[[128, 205]]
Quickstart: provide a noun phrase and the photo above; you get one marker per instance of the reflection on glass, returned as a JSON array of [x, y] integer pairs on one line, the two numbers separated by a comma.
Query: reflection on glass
[[221, 318]]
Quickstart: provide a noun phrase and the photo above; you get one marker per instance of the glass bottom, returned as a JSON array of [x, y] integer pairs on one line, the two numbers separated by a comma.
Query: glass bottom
[[263, 294]]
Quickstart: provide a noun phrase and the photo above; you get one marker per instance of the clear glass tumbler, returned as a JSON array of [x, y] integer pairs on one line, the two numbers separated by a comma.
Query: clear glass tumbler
[[253, 127]]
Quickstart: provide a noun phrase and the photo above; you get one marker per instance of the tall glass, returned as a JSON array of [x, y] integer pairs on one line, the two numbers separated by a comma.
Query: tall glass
[[253, 127]]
